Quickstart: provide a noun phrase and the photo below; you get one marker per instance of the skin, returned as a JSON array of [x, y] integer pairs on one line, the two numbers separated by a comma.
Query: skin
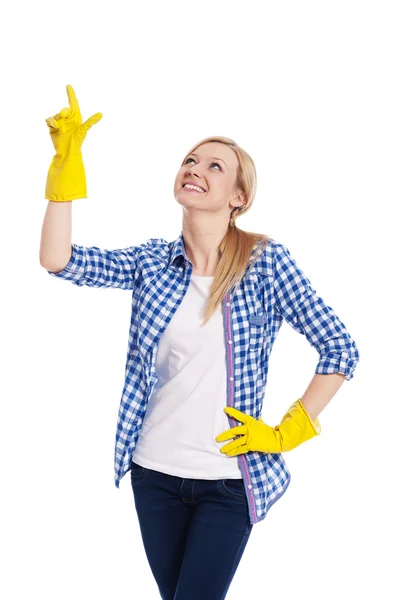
[[206, 216]]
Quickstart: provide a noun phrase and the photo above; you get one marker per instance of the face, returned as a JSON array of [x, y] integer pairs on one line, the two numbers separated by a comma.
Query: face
[[213, 167]]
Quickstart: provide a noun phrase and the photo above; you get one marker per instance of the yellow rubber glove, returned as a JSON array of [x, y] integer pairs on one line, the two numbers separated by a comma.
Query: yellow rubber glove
[[295, 428], [66, 178]]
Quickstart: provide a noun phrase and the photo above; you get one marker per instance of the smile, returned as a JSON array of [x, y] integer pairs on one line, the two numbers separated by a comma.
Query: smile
[[193, 188]]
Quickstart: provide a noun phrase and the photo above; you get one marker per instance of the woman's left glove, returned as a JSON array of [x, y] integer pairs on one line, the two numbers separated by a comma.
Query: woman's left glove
[[295, 428]]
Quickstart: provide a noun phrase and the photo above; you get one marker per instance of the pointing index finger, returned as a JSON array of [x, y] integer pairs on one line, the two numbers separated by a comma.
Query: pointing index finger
[[73, 102]]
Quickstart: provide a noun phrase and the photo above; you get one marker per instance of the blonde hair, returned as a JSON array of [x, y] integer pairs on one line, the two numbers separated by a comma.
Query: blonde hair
[[237, 245]]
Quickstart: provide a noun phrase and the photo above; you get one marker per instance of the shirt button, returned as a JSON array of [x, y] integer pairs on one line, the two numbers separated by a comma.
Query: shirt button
[[228, 303], [230, 378], [249, 486], [229, 341]]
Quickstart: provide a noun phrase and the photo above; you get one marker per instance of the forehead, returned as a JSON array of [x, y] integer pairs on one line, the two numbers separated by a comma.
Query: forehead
[[217, 150]]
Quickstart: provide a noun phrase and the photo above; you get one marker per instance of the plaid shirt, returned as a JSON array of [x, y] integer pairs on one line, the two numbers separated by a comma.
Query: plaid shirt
[[273, 288]]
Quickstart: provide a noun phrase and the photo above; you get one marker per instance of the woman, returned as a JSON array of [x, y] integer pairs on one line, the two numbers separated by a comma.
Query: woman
[[206, 310]]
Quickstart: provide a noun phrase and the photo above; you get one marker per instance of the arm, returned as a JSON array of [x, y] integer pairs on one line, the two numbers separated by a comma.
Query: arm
[[55, 243], [81, 265], [320, 392], [299, 305], [96, 267], [307, 313]]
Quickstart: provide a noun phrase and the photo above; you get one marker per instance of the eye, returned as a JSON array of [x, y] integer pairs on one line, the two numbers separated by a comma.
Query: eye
[[213, 163]]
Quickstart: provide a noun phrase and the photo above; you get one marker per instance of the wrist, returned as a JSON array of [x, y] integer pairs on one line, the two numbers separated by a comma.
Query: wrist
[[315, 424]]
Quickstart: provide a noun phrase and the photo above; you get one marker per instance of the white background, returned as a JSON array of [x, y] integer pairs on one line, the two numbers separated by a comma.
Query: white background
[[311, 91]]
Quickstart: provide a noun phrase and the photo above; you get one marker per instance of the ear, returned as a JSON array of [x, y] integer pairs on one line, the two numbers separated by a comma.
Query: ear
[[240, 198]]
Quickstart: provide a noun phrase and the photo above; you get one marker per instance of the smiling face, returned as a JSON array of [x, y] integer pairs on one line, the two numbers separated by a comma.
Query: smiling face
[[213, 167]]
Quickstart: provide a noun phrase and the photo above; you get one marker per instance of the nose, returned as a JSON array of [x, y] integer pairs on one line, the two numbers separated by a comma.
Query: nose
[[192, 172]]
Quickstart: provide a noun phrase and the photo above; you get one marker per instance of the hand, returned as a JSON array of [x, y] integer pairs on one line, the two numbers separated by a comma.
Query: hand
[[256, 436], [66, 178], [66, 129]]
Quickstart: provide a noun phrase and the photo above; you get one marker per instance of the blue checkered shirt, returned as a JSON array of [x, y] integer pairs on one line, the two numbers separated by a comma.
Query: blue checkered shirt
[[273, 288]]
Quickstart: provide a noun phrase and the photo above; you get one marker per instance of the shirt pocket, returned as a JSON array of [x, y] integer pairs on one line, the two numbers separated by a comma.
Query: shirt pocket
[[257, 325]]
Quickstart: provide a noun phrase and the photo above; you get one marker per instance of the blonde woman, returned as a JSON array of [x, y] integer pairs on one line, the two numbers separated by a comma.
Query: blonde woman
[[206, 310]]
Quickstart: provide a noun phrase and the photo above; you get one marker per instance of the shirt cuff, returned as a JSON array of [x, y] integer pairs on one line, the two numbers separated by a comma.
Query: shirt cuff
[[75, 267], [342, 362]]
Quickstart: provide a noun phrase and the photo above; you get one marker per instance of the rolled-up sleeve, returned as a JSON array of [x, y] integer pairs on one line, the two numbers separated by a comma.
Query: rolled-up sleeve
[[307, 313], [96, 267]]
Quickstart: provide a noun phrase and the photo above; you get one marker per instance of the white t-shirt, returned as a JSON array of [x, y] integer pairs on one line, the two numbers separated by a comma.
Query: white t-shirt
[[186, 409]]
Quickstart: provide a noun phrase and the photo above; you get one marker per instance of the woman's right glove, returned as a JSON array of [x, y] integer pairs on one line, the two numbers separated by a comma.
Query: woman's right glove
[[66, 178]]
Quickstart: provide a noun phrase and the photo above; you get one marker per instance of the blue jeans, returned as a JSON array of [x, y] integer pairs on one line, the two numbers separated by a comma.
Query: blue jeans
[[194, 531]]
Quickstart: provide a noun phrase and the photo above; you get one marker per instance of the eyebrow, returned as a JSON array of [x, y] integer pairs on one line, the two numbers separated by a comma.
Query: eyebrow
[[216, 158]]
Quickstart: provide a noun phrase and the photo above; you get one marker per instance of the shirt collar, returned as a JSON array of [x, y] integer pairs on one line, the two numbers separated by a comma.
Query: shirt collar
[[178, 249]]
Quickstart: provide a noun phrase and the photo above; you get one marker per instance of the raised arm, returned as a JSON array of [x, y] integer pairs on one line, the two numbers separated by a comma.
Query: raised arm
[[55, 242], [66, 181], [97, 267]]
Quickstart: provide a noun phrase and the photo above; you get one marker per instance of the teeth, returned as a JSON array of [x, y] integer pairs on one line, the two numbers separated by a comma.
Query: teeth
[[193, 187]]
